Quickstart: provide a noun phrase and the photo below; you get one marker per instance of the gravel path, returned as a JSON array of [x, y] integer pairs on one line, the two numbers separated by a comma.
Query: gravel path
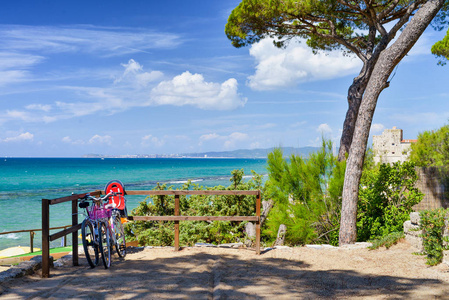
[[215, 273]]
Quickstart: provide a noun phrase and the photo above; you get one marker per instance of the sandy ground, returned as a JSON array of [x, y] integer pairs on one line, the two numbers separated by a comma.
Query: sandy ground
[[215, 273]]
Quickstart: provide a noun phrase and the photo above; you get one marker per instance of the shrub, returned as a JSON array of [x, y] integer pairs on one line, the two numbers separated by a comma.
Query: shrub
[[306, 195], [386, 198], [162, 233], [432, 225]]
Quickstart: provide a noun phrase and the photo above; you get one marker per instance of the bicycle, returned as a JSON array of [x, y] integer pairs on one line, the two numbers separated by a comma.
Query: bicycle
[[117, 203], [95, 230]]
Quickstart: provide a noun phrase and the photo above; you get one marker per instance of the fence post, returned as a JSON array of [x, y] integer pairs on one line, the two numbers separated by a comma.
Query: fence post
[[45, 238], [31, 241], [177, 223], [75, 233], [258, 223]]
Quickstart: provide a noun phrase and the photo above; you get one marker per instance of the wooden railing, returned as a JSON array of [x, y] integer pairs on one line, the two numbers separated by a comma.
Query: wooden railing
[[33, 233], [46, 237]]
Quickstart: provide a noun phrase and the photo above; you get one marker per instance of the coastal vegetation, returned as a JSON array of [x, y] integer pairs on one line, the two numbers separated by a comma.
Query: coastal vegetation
[[306, 195], [379, 33]]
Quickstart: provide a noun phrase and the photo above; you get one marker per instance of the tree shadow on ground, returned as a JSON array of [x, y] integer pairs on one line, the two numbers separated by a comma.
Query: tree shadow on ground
[[204, 276]]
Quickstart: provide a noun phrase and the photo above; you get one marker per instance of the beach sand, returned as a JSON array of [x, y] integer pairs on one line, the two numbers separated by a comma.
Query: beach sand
[[217, 273]]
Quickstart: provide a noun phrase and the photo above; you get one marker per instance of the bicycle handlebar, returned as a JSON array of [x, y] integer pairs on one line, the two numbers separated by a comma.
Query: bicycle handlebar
[[90, 197]]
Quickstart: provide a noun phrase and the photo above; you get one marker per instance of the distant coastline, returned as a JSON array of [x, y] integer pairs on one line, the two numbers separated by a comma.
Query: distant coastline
[[241, 153]]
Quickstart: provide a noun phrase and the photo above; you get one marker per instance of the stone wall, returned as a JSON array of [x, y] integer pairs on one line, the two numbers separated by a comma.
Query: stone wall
[[432, 183]]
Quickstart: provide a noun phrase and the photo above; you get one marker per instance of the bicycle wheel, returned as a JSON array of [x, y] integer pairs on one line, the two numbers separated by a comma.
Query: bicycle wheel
[[89, 243], [120, 243], [105, 245]]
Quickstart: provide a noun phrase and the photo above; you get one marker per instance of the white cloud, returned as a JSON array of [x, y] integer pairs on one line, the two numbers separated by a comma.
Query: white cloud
[[68, 140], [12, 76], [228, 141], [298, 124], [98, 139], [210, 136], [21, 137], [191, 89], [377, 128], [106, 41], [11, 60], [134, 73], [42, 107], [278, 68], [234, 138], [255, 145], [150, 140], [324, 129]]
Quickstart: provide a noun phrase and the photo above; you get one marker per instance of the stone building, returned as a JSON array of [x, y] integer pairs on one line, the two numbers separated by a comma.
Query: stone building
[[390, 147]]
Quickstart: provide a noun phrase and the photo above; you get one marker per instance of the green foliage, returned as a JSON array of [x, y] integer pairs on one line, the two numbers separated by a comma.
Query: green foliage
[[388, 240], [432, 225], [432, 148], [441, 49], [386, 198], [253, 20], [162, 233], [306, 195]]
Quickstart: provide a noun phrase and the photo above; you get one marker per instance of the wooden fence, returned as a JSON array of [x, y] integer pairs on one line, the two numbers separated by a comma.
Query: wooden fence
[[46, 237], [32, 233]]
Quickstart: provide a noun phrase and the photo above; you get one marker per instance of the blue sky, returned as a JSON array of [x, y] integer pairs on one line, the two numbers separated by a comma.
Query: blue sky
[[145, 77]]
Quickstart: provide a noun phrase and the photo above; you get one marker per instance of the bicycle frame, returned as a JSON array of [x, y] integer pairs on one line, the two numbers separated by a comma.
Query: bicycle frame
[[98, 214]]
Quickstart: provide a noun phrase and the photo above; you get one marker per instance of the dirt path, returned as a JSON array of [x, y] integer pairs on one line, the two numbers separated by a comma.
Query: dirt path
[[214, 273]]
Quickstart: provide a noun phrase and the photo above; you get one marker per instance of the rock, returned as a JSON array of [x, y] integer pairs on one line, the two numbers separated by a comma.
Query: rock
[[415, 218], [250, 230], [359, 245], [24, 268], [281, 235], [282, 247], [231, 245], [411, 229], [415, 242], [446, 257], [204, 245], [318, 247]]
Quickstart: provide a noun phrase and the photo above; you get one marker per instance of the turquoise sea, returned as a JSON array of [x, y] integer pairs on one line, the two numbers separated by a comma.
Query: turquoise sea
[[26, 181]]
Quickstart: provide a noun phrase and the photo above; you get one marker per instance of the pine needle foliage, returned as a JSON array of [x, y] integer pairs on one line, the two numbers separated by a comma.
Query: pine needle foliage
[[307, 196]]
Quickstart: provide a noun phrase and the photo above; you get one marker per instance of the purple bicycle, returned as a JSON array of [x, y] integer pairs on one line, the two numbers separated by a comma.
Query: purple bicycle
[[95, 230]]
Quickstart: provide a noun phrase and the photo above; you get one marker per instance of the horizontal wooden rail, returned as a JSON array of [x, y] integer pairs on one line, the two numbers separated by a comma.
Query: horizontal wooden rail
[[32, 233], [64, 232], [29, 230], [189, 192], [193, 218]]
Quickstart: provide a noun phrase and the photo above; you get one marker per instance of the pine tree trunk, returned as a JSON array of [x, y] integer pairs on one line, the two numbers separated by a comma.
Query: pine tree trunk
[[385, 65], [355, 93]]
